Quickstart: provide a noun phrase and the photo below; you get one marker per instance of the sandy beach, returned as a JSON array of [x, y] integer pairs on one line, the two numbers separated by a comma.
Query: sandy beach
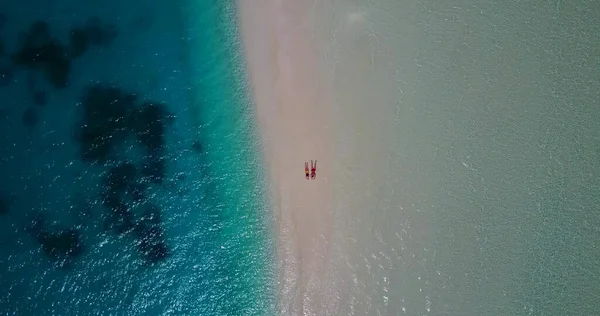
[[293, 103]]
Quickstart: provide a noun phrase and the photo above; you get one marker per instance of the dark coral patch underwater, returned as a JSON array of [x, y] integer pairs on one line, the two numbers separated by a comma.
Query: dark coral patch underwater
[[150, 236], [110, 115], [61, 245], [112, 122], [40, 50], [105, 121]]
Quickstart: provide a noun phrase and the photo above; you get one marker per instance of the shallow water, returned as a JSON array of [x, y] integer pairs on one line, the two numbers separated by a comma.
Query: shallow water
[[467, 177]]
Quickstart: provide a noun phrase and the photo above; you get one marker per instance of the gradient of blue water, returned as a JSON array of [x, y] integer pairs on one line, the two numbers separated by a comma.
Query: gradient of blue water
[[185, 55]]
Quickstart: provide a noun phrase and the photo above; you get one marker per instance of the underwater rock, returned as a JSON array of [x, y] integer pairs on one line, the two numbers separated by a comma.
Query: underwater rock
[[78, 42], [119, 180], [104, 121], [122, 189], [39, 50], [59, 245], [65, 243], [152, 247], [197, 147], [29, 118], [149, 123]]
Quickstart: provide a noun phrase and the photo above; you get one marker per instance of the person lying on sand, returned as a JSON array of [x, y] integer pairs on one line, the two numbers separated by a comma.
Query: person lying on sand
[[306, 169], [313, 169]]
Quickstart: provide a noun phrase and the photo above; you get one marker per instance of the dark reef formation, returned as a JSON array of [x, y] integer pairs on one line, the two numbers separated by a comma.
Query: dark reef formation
[[110, 115], [119, 181], [64, 243], [149, 124], [197, 147], [105, 121], [113, 122], [124, 189], [40, 50], [60, 245], [120, 178]]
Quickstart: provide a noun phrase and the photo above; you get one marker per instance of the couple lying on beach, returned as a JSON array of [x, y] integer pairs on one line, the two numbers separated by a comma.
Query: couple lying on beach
[[313, 169]]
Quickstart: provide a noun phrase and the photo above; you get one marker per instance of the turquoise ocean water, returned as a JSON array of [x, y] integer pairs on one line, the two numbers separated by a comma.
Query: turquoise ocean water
[[157, 205]]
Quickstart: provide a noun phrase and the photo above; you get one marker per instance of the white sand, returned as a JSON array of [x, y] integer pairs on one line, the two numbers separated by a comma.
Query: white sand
[[294, 109]]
